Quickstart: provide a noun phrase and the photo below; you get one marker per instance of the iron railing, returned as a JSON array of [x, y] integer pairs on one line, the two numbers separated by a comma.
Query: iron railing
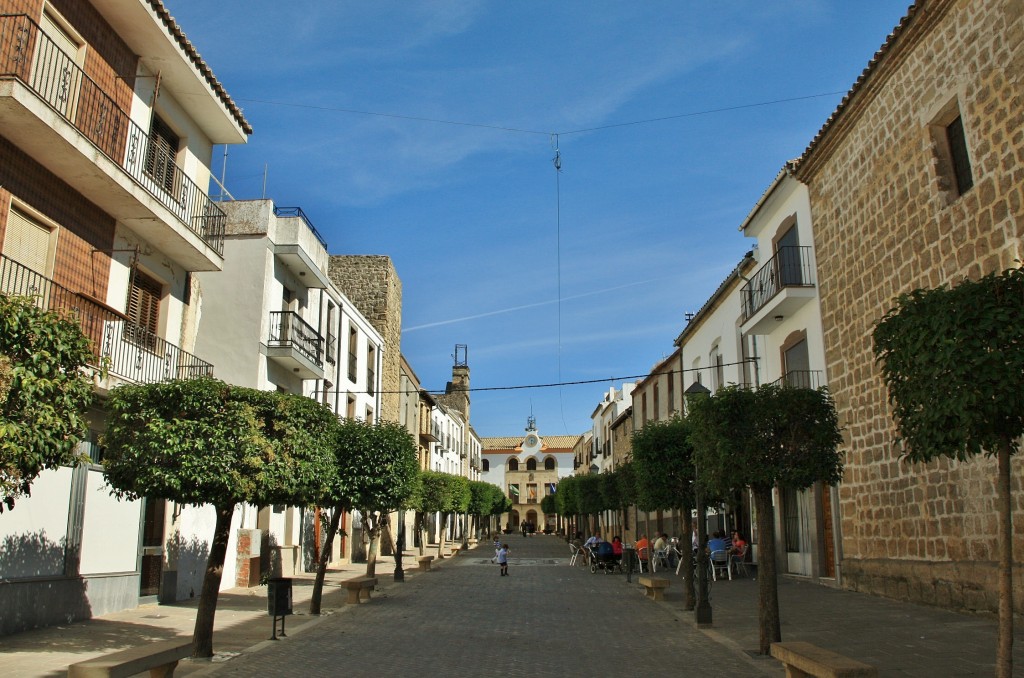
[[28, 54], [297, 212], [800, 379], [288, 329], [370, 379], [352, 372], [129, 350], [790, 267]]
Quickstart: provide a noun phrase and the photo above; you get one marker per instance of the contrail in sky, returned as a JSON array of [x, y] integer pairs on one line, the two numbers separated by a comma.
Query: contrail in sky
[[511, 309]]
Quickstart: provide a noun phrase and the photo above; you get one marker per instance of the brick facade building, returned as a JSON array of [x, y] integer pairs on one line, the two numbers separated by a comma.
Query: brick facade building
[[915, 181]]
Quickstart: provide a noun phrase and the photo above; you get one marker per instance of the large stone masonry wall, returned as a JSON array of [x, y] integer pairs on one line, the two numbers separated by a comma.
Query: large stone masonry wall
[[373, 285], [885, 222]]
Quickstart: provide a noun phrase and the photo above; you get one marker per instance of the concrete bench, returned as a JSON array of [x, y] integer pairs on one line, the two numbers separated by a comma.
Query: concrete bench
[[424, 562], [654, 587], [359, 589], [159, 658], [805, 659]]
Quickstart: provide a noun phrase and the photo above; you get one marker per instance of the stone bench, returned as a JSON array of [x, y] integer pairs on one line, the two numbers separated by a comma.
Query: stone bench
[[424, 562], [805, 659], [359, 589], [654, 587], [159, 658]]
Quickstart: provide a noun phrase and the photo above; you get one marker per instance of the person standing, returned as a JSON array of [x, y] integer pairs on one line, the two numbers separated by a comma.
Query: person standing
[[503, 559]]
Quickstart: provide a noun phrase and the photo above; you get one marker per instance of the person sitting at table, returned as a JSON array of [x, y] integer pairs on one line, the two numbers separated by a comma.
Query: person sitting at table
[[660, 548], [717, 542], [643, 548], [738, 548], [592, 541], [617, 547]]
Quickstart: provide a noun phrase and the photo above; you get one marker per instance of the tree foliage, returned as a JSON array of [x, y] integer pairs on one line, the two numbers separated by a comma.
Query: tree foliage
[[953, 361], [663, 464], [201, 441], [760, 439], [45, 390], [377, 465]]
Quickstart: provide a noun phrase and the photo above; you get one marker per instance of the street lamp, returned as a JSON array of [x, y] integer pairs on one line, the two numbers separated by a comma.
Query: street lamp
[[702, 613]]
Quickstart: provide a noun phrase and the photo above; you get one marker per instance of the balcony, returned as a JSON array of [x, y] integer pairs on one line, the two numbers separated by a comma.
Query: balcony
[[296, 345], [60, 117], [131, 352], [800, 379], [778, 289]]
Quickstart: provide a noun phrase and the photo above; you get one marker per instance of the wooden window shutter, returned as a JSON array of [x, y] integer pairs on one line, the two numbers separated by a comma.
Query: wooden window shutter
[[28, 242], [161, 154], [144, 302]]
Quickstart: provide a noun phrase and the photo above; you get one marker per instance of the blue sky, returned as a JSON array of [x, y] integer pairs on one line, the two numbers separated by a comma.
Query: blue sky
[[671, 119]]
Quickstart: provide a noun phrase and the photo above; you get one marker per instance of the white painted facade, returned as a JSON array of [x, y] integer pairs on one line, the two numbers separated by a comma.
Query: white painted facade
[[613, 403], [81, 552]]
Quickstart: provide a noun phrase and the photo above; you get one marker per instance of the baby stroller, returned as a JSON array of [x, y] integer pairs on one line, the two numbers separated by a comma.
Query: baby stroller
[[603, 557]]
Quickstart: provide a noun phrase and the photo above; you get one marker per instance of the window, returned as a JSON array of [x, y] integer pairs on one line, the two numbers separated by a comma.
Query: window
[[958, 155], [513, 464], [549, 464], [29, 242], [671, 393], [371, 363], [353, 343], [143, 310], [161, 154], [486, 465], [657, 401], [55, 72], [531, 464], [350, 409], [513, 492], [531, 493], [949, 141], [332, 350]]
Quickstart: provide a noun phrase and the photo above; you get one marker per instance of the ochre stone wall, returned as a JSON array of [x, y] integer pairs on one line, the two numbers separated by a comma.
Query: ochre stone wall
[[887, 221], [373, 285]]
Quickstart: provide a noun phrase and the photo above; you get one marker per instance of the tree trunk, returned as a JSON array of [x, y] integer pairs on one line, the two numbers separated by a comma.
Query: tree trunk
[[373, 520], [1004, 636], [421, 530], [441, 534], [767, 582], [202, 636], [325, 557], [686, 548]]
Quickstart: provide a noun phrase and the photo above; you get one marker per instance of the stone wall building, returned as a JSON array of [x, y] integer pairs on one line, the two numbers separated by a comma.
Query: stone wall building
[[917, 180], [372, 284]]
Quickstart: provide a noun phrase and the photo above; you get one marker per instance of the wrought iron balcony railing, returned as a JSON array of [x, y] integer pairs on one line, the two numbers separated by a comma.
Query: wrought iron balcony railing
[[790, 267], [28, 54], [289, 330], [800, 379], [130, 351]]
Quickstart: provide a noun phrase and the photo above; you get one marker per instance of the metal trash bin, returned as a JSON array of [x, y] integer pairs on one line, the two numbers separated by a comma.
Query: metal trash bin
[[279, 596]]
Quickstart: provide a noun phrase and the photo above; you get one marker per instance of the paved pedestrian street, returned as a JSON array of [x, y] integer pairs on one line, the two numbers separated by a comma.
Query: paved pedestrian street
[[463, 619]]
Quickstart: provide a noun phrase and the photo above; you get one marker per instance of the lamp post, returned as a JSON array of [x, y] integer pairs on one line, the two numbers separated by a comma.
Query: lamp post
[[702, 613]]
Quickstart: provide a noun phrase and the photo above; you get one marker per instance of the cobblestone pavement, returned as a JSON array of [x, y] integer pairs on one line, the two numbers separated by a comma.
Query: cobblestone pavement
[[544, 619]]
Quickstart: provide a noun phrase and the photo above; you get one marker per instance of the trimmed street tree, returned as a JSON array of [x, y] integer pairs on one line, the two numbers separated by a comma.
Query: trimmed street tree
[[434, 498], [774, 436], [201, 441], [953, 361], [567, 501], [45, 390], [381, 466], [663, 463], [589, 498]]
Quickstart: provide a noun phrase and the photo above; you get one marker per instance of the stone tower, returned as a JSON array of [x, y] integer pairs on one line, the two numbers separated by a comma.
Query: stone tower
[[372, 284], [456, 392]]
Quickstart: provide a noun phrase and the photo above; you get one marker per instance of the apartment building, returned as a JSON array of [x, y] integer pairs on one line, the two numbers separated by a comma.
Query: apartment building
[[108, 119], [781, 319], [273, 320], [614, 402]]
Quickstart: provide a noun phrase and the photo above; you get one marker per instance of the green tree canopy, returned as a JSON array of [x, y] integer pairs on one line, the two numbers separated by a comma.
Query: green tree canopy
[[45, 390], [953, 361], [663, 465], [757, 439], [201, 441]]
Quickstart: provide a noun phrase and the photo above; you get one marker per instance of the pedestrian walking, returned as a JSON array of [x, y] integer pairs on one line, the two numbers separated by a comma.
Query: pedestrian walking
[[503, 559]]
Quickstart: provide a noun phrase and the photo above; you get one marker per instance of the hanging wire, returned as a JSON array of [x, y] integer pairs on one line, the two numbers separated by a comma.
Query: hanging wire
[[557, 162]]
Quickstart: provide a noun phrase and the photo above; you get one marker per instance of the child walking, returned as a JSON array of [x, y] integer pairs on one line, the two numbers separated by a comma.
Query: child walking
[[503, 559]]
